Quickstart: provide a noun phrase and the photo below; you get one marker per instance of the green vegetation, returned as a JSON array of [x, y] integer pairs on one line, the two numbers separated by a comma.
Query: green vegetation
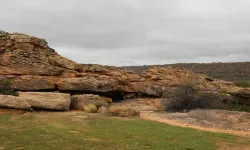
[[183, 98], [186, 98], [242, 83], [5, 87], [224, 71], [43, 131]]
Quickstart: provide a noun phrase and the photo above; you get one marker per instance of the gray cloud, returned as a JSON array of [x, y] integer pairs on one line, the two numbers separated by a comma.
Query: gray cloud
[[136, 32]]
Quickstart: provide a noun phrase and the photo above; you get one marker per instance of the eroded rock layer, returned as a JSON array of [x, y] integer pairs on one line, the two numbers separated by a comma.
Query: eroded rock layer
[[32, 66]]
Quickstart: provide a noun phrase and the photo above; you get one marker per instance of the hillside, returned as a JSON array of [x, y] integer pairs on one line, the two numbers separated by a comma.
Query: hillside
[[33, 75], [224, 71]]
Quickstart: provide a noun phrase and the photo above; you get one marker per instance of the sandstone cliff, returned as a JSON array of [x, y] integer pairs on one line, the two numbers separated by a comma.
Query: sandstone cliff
[[33, 66]]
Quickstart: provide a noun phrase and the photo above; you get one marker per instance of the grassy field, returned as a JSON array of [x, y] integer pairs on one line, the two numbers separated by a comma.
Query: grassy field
[[52, 131]]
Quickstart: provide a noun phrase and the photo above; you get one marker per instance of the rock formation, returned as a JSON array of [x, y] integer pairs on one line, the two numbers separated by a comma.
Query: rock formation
[[33, 67]]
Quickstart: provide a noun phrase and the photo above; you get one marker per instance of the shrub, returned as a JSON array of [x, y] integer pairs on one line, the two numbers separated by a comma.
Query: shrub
[[5, 87], [242, 83], [90, 108], [182, 98], [186, 98]]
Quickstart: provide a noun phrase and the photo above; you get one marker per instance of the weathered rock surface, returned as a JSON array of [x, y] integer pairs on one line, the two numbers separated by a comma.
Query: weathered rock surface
[[32, 65], [79, 101], [94, 84], [245, 93], [46, 100], [103, 110], [132, 107], [123, 111], [23, 54], [8, 101], [29, 83]]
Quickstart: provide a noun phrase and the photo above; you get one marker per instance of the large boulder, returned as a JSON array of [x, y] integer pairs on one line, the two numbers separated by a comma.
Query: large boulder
[[103, 110], [78, 102], [132, 107], [9, 101], [123, 111], [47, 100]]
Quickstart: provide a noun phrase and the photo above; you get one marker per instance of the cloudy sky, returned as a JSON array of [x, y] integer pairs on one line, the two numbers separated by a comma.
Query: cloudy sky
[[135, 32]]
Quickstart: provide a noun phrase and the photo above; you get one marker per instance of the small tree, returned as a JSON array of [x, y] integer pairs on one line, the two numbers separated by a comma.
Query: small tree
[[182, 98], [186, 97]]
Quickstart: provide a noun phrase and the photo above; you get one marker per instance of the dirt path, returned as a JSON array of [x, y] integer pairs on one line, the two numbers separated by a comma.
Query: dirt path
[[154, 116]]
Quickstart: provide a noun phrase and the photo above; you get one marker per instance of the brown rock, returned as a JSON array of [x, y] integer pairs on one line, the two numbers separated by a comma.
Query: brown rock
[[28, 83], [47, 100], [146, 88], [8, 101], [8, 71], [141, 104], [245, 93], [78, 102], [129, 96], [94, 84], [103, 110], [32, 56], [123, 111], [36, 66]]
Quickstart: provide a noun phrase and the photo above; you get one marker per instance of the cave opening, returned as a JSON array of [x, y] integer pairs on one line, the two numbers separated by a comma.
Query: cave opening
[[116, 96]]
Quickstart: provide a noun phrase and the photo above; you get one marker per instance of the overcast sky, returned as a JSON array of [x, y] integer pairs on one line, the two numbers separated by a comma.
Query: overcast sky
[[135, 32]]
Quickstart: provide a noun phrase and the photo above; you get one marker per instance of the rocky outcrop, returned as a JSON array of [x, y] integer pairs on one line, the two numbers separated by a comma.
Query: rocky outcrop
[[35, 66], [34, 83], [123, 111], [47, 100], [31, 65], [94, 84], [78, 102], [21, 54], [37, 100], [9, 101], [245, 93], [132, 107]]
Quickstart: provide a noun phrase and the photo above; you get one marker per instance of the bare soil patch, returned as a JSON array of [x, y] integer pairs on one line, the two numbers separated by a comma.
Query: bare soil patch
[[12, 111], [209, 120], [221, 145]]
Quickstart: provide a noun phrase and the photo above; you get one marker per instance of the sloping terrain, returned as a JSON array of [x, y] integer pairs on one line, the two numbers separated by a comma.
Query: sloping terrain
[[79, 130], [34, 70], [223, 71], [222, 121], [37, 78]]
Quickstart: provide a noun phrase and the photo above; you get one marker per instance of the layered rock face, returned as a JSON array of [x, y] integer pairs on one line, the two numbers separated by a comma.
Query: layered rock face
[[39, 100], [32, 66]]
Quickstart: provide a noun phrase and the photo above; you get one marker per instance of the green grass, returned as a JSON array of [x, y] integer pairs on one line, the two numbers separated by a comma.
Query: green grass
[[52, 131], [242, 83]]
